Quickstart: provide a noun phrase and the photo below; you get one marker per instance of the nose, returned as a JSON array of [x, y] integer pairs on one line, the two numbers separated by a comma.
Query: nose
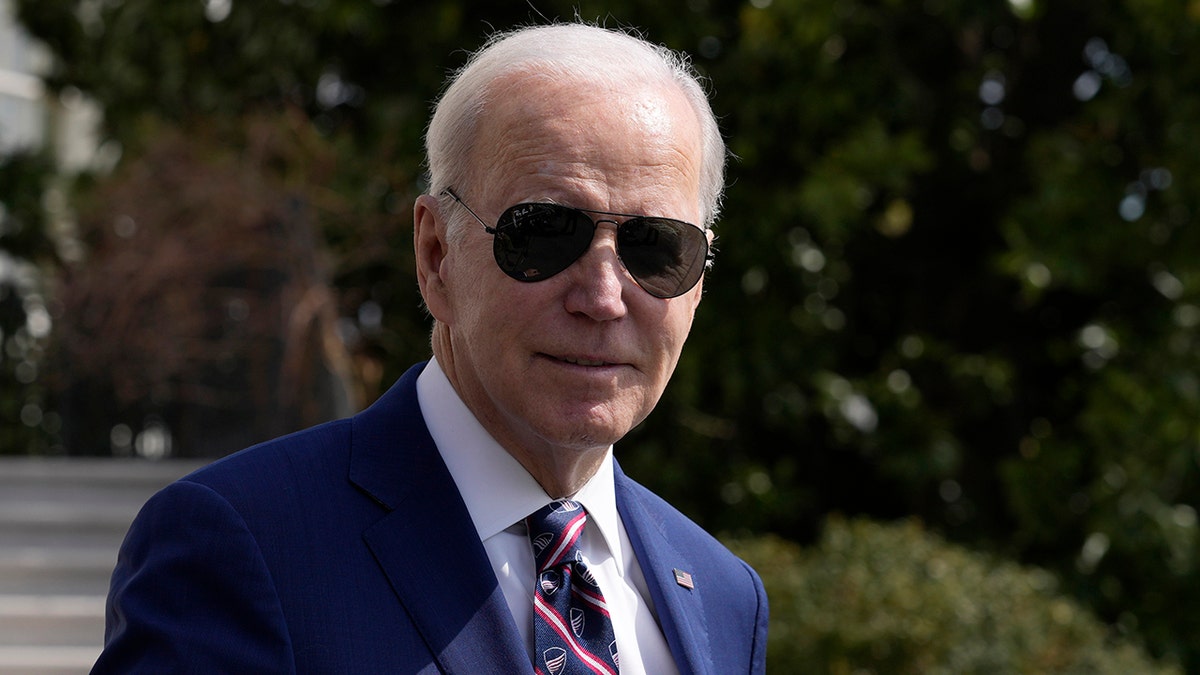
[[598, 279]]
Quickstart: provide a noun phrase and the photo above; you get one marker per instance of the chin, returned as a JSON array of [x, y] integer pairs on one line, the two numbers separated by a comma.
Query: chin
[[583, 436]]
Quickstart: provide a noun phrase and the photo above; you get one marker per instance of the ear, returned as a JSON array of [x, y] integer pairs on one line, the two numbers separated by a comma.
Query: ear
[[697, 294], [698, 291], [429, 244]]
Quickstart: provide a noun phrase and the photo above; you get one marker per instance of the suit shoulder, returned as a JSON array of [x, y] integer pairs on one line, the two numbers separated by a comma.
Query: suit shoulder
[[298, 459]]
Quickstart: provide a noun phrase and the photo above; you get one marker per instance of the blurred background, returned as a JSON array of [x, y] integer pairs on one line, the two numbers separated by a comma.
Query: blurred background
[[943, 391]]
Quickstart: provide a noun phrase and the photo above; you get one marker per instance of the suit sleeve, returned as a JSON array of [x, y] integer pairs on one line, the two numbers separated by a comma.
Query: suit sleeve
[[758, 649], [191, 593]]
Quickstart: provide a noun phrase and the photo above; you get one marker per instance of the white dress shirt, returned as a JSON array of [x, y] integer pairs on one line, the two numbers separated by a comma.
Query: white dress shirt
[[500, 493]]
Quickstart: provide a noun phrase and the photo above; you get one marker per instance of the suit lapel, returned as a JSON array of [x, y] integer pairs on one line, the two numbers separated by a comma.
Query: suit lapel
[[427, 544], [680, 611]]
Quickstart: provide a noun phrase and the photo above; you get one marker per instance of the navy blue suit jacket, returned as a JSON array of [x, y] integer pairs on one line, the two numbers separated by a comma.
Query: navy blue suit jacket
[[346, 548]]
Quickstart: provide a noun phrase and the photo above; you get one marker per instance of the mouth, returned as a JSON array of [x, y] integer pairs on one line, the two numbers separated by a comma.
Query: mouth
[[585, 361]]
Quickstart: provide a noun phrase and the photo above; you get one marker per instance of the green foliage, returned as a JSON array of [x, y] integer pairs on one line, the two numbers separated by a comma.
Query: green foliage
[[27, 424], [959, 251], [894, 599]]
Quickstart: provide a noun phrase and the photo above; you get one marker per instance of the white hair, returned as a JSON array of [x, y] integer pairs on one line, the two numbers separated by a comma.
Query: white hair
[[565, 52]]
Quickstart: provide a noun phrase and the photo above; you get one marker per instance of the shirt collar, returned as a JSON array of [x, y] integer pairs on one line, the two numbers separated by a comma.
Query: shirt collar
[[497, 490]]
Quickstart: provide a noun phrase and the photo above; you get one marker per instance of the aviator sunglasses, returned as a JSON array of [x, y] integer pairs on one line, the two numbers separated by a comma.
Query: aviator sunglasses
[[536, 240]]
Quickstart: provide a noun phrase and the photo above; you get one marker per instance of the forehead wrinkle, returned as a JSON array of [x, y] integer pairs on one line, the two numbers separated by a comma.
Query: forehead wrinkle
[[573, 163], [533, 134]]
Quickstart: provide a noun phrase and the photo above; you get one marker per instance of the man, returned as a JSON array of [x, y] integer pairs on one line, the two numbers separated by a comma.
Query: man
[[434, 531]]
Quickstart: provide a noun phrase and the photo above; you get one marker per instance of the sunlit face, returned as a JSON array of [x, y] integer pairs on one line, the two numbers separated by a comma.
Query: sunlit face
[[573, 362]]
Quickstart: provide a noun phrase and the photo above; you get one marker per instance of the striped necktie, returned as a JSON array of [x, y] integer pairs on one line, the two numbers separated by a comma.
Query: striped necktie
[[573, 633]]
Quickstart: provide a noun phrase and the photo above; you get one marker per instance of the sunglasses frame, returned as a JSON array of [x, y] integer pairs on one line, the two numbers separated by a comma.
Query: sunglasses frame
[[708, 254]]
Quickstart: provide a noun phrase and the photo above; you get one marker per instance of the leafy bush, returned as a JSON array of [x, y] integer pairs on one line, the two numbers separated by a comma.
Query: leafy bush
[[28, 424], [895, 599]]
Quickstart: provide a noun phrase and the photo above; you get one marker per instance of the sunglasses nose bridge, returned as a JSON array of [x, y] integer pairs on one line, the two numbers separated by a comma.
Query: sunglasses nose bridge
[[597, 280], [602, 255], [604, 237]]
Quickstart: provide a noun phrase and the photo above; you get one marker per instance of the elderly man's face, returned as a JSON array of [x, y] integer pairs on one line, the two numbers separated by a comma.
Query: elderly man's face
[[572, 362]]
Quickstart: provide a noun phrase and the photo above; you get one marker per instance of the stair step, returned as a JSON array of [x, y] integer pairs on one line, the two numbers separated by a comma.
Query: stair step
[[113, 472], [51, 620], [59, 660], [36, 571], [61, 524]]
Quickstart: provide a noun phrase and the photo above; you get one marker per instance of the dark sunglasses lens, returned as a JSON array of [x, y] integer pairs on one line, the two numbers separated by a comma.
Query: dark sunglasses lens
[[537, 241], [665, 256]]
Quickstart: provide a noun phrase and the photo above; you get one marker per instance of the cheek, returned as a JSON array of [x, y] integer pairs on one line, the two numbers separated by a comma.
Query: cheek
[[683, 325], [673, 331]]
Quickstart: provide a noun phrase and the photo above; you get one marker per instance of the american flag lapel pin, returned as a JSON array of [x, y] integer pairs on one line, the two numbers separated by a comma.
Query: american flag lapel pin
[[684, 579]]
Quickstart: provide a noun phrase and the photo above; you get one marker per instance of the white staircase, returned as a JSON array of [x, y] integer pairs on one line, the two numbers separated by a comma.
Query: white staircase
[[61, 523]]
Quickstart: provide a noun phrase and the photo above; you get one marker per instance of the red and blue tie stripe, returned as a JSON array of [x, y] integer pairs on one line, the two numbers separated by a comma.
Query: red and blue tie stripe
[[573, 632]]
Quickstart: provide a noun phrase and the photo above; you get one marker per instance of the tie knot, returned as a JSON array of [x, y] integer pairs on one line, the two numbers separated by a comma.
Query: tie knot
[[554, 532]]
